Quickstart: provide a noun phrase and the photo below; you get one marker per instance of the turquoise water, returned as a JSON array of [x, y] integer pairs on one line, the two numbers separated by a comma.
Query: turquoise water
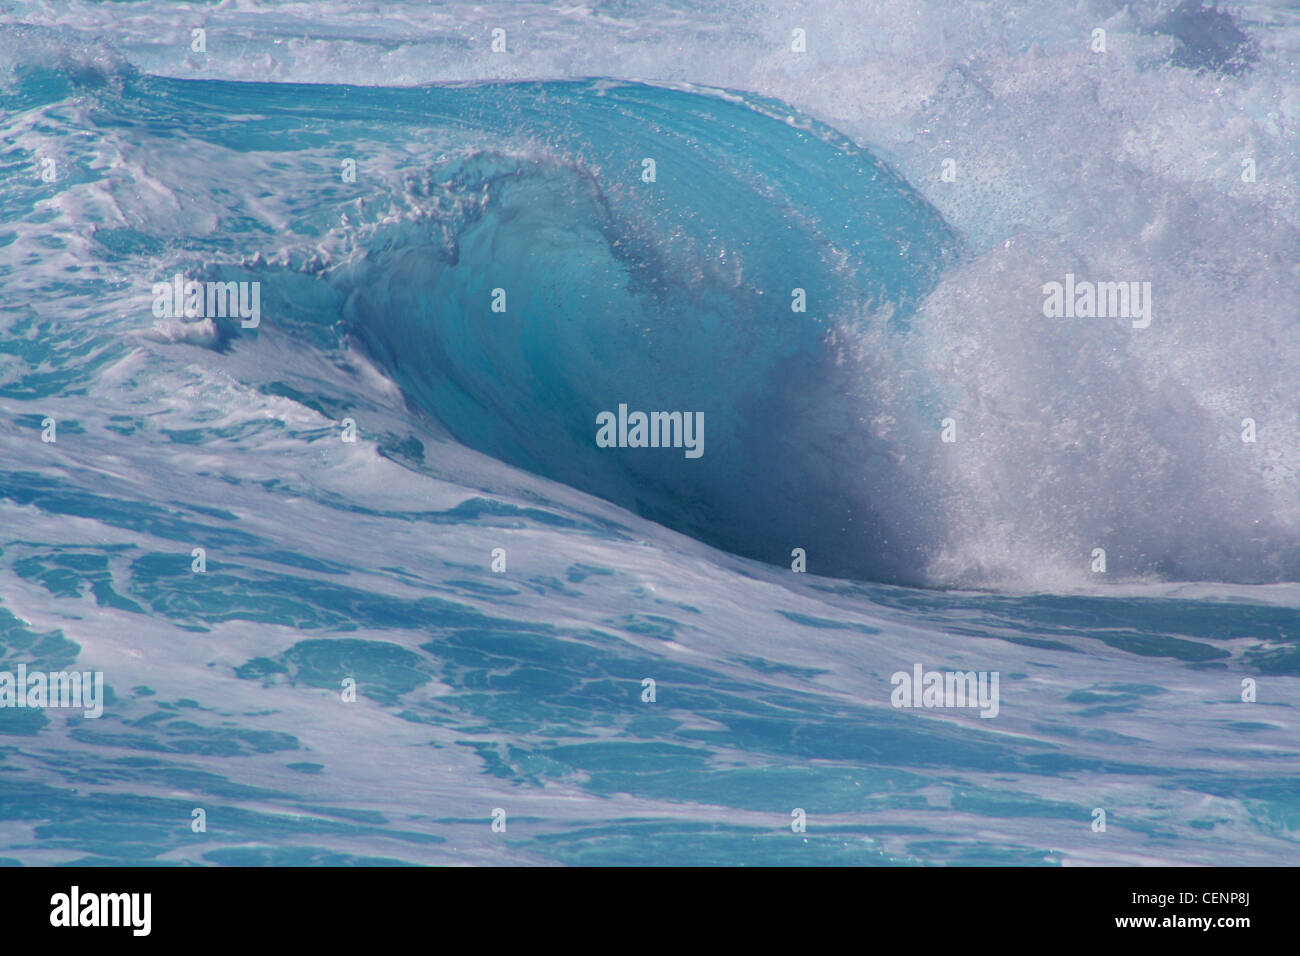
[[514, 681]]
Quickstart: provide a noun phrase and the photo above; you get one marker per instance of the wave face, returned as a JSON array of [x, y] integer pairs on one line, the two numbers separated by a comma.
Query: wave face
[[515, 680], [674, 295]]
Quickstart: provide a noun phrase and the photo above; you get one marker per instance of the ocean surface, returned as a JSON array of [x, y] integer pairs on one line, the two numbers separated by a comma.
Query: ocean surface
[[363, 587]]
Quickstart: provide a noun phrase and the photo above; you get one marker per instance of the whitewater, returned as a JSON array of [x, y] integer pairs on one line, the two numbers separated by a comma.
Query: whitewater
[[365, 587]]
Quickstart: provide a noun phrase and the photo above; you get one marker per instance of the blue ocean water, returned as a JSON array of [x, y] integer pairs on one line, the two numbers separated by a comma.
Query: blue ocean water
[[498, 588]]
